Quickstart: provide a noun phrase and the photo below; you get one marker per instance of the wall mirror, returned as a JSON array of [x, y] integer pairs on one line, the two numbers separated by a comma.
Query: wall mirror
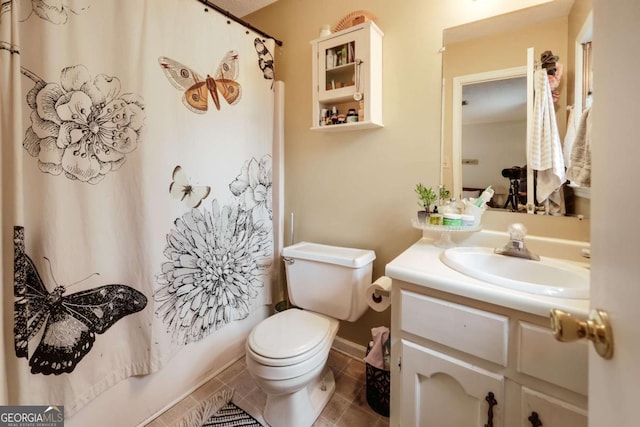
[[488, 69]]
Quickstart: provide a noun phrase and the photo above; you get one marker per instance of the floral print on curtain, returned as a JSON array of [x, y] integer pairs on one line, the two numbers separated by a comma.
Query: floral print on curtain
[[166, 214], [54, 11], [217, 259], [83, 126]]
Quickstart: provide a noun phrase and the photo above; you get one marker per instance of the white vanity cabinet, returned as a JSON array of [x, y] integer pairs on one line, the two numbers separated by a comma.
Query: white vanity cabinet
[[347, 75], [460, 362]]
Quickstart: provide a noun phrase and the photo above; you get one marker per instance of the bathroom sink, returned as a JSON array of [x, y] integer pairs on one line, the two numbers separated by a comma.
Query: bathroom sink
[[550, 277]]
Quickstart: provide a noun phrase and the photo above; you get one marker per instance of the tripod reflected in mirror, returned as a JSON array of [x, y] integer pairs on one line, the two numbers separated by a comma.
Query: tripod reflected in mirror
[[517, 187]]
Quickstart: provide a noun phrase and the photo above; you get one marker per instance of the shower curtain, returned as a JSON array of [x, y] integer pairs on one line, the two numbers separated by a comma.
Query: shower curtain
[[136, 189]]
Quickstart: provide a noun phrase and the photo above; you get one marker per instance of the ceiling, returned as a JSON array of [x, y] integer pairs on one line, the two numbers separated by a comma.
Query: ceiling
[[507, 22], [241, 8]]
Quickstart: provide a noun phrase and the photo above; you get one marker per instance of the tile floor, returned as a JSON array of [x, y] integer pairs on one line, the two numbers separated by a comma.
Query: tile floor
[[347, 407]]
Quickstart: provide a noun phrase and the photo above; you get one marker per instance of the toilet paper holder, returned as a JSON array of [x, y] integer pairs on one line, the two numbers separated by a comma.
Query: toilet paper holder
[[378, 294]]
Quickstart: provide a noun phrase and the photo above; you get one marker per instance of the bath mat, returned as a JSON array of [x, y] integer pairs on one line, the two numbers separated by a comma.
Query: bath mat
[[218, 410], [201, 413], [230, 415]]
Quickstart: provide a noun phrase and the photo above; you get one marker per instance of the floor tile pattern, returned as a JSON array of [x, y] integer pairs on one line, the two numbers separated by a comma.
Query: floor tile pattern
[[348, 406]]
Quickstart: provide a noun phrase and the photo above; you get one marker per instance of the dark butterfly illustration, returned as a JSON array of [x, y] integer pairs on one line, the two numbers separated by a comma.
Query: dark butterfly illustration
[[71, 321], [182, 190], [197, 88], [265, 60]]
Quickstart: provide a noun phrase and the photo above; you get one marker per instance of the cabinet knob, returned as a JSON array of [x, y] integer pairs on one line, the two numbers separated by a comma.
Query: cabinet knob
[[534, 420], [490, 398], [597, 329]]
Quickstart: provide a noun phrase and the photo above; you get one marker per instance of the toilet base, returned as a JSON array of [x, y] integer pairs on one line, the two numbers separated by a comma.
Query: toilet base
[[303, 407]]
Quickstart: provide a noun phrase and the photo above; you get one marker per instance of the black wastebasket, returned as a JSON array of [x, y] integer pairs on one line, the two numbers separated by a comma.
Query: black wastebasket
[[378, 382]]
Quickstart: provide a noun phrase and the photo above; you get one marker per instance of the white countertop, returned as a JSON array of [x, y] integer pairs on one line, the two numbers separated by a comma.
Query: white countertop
[[420, 264]]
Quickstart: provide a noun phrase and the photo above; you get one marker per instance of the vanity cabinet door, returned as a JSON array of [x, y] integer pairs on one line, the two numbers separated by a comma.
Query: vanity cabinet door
[[540, 410], [542, 356], [441, 391]]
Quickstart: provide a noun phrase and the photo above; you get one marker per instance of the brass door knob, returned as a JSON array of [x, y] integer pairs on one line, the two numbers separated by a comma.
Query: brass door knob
[[597, 329]]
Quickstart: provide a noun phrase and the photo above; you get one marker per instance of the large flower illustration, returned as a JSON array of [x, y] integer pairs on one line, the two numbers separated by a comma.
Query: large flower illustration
[[253, 186], [83, 127], [217, 261], [54, 11]]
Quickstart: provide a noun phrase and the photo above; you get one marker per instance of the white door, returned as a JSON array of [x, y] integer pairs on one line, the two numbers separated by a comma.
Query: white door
[[614, 385]]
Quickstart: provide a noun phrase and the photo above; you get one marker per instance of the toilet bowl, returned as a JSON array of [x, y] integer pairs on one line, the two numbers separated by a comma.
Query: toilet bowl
[[286, 353]]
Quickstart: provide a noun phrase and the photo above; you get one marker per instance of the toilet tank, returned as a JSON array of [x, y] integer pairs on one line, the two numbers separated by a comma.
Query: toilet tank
[[330, 280]]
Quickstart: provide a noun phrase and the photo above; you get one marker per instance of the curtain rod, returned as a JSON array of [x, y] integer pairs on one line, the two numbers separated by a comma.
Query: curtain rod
[[239, 21]]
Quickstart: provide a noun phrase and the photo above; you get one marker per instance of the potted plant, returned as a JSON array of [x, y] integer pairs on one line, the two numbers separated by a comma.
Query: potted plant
[[426, 197], [444, 193]]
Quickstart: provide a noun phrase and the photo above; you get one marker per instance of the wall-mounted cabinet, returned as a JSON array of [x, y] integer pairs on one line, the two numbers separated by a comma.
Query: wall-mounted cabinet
[[347, 79]]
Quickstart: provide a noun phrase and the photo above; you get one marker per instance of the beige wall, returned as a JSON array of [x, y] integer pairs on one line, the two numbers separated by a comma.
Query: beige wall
[[356, 188]]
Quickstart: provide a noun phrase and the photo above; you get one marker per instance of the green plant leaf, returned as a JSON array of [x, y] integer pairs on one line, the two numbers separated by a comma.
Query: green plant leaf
[[426, 196]]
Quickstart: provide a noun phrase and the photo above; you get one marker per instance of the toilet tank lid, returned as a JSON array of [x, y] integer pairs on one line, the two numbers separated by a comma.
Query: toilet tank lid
[[348, 257]]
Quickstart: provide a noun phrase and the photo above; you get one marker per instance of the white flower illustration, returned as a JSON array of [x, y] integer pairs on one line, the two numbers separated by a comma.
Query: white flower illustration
[[54, 11], [253, 186], [217, 261], [83, 127]]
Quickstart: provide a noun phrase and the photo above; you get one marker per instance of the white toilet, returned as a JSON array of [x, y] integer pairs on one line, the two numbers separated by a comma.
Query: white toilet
[[287, 352]]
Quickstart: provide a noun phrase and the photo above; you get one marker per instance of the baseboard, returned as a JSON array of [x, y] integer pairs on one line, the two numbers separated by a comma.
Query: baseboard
[[349, 348]]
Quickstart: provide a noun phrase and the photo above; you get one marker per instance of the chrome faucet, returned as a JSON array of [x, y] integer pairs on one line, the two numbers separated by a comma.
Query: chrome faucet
[[516, 246]]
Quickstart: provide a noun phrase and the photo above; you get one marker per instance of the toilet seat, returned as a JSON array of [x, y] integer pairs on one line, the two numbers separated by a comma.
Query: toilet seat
[[290, 337]]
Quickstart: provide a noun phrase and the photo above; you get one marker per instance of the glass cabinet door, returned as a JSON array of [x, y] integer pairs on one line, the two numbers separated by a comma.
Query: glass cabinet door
[[339, 67]]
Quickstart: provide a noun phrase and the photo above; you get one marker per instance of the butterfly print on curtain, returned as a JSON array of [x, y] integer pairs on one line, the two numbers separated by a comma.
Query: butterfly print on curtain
[[70, 321], [265, 60], [183, 190], [83, 127], [197, 88]]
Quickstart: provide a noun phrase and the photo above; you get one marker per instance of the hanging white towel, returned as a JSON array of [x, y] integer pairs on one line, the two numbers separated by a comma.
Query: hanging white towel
[[545, 150], [569, 139], [580, 170]]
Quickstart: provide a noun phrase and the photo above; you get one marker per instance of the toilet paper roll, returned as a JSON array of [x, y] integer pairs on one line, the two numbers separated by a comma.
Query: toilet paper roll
[[382, 300]]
